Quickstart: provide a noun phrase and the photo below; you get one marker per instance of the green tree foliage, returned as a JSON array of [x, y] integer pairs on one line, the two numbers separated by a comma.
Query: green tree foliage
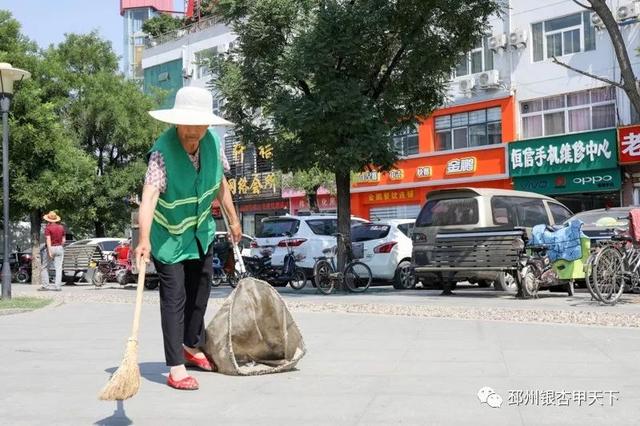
[[310, 181], [108, 116], [48, 169], [161, 24], [326, 82]]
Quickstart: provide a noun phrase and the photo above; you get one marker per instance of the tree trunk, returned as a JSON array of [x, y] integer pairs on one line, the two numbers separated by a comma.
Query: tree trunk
[[626, 71], [36, 222], [343, 189], [312, 197], [99, 228]]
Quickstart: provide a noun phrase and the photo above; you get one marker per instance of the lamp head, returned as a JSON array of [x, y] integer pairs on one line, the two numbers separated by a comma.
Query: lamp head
[[8, 75]]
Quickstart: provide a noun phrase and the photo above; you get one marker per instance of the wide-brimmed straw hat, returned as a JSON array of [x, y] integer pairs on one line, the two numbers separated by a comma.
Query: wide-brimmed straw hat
[[193, 106], [51, 217]]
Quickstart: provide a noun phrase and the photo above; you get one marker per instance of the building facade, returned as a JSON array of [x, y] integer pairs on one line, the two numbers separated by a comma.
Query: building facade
[[180, 59], [134, 14], [544, 109]]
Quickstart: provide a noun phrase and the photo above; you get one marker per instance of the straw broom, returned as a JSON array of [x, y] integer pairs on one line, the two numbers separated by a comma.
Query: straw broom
[[124, 383]]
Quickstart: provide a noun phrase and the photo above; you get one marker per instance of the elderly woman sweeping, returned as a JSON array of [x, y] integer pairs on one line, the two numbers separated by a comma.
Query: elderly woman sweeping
[[184, 176]]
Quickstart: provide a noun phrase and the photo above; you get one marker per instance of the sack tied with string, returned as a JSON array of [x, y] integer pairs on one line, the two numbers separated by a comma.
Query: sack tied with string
[[253, 332]]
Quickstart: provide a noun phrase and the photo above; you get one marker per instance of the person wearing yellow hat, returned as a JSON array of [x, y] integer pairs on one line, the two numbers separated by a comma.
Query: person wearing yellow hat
[[184, 176], [54, 235]]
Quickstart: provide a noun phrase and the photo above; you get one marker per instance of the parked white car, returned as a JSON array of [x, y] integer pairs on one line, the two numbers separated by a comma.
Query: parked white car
[[307, 235], [387, 250]]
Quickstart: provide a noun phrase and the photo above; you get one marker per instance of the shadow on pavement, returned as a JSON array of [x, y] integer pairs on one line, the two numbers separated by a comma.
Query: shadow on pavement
[[119, 417], [151, 371]]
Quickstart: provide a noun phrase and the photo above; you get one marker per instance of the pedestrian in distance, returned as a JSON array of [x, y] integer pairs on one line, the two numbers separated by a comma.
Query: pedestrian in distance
[[184, 176], [53, 252]]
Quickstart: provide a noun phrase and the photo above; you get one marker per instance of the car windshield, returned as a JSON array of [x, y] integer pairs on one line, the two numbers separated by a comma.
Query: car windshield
[[108, 245], [277, 228], [604, 219], [369, 231], [452, 211]]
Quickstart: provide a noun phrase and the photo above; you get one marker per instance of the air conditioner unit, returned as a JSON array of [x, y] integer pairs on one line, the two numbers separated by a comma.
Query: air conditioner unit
[[596, 20], [497, 42], [488, 79], [627, 11], [518, 39], [466, 84]]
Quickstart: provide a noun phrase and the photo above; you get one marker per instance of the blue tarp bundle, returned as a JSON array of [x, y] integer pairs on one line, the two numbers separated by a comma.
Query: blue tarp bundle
[[563, 243]]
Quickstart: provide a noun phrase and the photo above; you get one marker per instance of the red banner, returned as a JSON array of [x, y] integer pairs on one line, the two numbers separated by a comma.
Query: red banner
[[629, 144]]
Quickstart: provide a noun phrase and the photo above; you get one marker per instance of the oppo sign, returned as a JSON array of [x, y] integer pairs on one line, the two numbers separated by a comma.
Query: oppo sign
[[592, 180]]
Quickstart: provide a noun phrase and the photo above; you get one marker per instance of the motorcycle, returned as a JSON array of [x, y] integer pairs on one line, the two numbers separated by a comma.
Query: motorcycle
[[220, 276], [555, 259], [106, 271], [289, 273], [23, 274]]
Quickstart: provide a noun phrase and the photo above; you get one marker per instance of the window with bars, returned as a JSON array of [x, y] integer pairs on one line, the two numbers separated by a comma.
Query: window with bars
[[468, 129], [563, 36], [479, 59], [406, 143], [572, 112]]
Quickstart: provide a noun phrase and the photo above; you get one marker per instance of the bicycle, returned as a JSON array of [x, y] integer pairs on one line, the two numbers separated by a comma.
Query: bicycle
[[614, 268], [356, 275]]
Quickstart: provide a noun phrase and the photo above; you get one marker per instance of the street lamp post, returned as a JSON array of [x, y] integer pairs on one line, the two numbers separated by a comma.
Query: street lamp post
[[8, 75]]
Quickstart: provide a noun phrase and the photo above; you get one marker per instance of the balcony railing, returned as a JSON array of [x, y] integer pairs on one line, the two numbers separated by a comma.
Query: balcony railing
[[203, 24]]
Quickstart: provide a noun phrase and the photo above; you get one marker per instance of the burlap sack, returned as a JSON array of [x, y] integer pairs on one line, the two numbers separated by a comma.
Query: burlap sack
[[253, 332]]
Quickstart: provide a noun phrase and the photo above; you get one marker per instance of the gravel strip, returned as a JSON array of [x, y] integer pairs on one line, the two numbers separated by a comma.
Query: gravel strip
[[607, 319], [550, 316]]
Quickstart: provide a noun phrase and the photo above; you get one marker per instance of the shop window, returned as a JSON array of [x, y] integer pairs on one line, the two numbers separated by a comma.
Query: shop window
[[569, 113], [406, 143], [563, 36], [468, 129], [479, 59]]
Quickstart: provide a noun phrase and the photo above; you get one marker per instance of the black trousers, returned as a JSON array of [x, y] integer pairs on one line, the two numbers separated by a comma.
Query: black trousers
[[184, 293]]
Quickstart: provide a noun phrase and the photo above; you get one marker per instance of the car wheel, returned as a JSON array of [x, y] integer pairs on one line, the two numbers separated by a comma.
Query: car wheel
[[404, 278], [505, 282], [151, 284]]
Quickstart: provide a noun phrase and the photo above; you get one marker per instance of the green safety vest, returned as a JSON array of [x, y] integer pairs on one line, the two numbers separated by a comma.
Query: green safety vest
[[183, 213]]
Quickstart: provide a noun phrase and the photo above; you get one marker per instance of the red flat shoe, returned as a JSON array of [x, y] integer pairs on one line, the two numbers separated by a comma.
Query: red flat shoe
[[192, 361], [188, 383]]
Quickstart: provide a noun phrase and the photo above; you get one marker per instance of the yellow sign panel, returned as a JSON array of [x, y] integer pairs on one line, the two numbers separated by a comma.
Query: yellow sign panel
[[461, 165], [368, 177], [256, 184], [396, 174], [386, 196], [424, 172]]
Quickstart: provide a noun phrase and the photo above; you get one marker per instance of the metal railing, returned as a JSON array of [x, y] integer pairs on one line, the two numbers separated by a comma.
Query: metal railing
[[203, 24]]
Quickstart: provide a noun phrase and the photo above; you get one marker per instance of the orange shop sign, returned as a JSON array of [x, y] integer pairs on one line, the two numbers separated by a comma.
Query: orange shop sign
[[387, 196], [629, 144]]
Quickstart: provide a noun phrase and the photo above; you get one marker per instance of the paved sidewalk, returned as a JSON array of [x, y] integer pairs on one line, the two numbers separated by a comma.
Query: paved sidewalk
[[360, 370]]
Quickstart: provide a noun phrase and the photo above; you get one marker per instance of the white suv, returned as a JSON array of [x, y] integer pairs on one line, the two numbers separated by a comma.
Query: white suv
[[387, 250], [307, 235]]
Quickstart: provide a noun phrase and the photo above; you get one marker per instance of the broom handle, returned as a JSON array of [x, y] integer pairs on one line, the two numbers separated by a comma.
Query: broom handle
[[236, 250], [142, 270]]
